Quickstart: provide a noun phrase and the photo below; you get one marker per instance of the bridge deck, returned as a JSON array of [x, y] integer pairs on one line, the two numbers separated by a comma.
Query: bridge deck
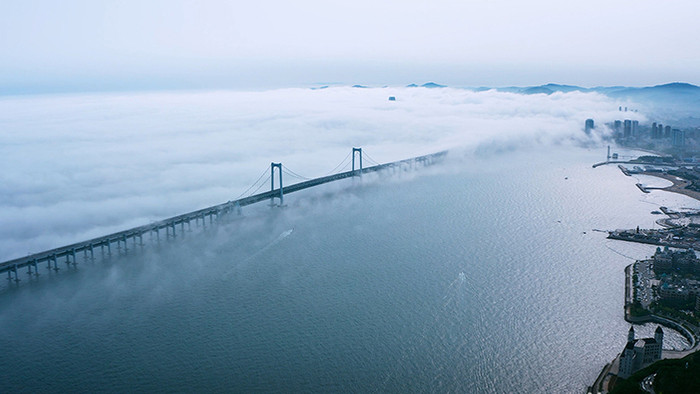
[[88, 246]]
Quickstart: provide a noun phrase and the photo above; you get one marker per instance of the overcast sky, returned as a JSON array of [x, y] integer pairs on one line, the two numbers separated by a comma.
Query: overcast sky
[[125, 44]]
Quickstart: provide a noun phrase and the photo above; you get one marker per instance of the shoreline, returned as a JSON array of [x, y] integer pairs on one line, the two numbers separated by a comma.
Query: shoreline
[[679, 185], [608, 374], [652, 318]]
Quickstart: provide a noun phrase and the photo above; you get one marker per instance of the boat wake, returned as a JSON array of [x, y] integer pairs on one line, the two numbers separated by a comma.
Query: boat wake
[[264, 249]]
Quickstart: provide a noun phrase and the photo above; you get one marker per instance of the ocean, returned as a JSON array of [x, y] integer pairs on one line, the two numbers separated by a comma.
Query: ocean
[[484, 274]]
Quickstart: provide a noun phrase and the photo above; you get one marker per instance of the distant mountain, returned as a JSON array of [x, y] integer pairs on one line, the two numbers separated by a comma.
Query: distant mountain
[[537, 90], [564, 88], [675, 87], [675, 102], [359, 86], [432, 85], [676, 91], [429, 85], [541, 89]]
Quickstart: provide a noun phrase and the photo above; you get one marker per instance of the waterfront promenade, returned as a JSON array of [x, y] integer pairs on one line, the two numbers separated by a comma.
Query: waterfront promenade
[[691, 333]]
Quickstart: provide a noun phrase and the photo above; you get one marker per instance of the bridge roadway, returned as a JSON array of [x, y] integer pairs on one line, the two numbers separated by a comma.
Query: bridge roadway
[[69, 252]]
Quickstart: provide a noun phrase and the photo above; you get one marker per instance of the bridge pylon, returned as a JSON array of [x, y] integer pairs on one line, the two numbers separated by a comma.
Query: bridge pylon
[[272, 183], [354, 151]]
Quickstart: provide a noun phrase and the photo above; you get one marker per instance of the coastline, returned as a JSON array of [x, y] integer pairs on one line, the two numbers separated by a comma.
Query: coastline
[[608, 375], [652, 318], [679, 185]]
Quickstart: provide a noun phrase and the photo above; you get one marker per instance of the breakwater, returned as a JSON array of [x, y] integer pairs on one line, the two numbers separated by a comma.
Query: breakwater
[[104, 245]]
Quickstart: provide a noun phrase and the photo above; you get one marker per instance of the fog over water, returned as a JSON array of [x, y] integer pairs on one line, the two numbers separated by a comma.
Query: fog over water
[[482, 274], [81, 166]]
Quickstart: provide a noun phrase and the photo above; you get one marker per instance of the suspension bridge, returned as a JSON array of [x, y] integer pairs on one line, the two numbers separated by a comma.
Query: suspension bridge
[[103, 246]]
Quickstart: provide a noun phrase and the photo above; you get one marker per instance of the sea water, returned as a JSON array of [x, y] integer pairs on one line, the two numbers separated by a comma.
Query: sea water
[[484, 274]]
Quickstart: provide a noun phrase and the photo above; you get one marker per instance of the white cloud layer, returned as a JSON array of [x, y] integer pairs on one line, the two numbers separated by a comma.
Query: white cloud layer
[[81, 166]]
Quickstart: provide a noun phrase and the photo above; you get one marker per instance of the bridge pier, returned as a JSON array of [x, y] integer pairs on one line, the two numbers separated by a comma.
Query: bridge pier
[[29, 268], [9, 274]]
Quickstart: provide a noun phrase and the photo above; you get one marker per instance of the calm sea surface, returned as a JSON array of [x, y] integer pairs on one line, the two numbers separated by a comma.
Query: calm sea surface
[[482, 275]]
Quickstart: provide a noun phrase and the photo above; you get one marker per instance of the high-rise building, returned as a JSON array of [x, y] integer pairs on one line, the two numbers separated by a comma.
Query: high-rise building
[[667, 131], [635, 128], [617, 126], [590, 125], [627, 128], [677, 138], [654, 131]]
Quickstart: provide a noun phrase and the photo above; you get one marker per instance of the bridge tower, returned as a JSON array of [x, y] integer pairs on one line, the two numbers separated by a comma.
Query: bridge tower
[[272, 182], [356, 150]]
